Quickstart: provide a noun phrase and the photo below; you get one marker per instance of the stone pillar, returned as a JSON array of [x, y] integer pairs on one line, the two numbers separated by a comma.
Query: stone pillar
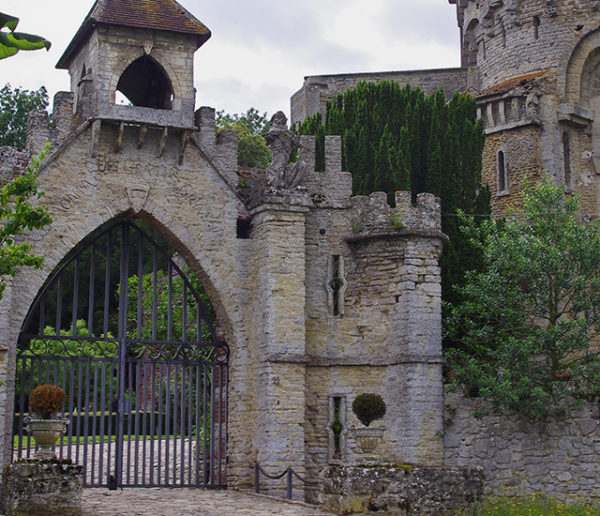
[[46, 487], [279, 268], [62, 117], [416, 337]]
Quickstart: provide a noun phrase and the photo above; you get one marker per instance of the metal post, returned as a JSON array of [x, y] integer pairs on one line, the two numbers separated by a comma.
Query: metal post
[[289, 483], [256, 477]]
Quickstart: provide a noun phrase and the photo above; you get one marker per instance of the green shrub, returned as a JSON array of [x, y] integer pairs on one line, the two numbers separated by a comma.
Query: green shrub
[[368, 407]]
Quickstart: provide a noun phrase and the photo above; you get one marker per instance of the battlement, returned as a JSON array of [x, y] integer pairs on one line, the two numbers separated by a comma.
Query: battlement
[[373, 214]]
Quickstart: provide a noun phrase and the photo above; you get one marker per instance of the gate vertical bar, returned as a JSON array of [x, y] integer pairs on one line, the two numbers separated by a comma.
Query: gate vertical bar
[[122, 338]]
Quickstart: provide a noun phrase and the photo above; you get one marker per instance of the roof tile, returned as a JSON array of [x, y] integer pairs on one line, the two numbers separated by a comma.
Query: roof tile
[[165, 15]]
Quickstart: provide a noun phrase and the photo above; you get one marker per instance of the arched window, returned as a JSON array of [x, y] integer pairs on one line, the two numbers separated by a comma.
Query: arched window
[[501, 173], [566, 147], [473, 44], [145, 83]]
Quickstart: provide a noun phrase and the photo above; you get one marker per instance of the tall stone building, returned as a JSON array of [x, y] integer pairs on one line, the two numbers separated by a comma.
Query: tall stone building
[[318, 295], [532, 65]]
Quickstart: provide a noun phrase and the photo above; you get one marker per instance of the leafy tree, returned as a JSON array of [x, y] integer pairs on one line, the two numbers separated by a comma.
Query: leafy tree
[[530, 313], [15, 106], [176, 312], [19, 212], [11, 42], [251, 128]]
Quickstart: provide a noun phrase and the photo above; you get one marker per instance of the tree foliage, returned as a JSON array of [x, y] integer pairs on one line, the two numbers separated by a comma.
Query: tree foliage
[[19, 211], [529, 314], [250, 127], [15, 106], [396, 138], [11, 42]]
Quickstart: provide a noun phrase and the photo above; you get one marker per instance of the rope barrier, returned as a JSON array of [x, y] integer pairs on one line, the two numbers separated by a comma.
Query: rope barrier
[[289, 473]]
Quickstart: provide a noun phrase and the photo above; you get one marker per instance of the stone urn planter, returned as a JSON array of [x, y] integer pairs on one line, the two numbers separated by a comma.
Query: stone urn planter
[[46, 433], [368, 407], [368, 438], [45, 401]]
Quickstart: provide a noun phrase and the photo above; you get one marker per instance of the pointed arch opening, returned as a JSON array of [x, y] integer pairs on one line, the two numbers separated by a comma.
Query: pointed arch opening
[[122, 325], [146, 84]]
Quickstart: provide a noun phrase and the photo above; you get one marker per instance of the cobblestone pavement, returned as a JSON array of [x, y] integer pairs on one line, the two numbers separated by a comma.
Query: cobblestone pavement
[[189, 502]]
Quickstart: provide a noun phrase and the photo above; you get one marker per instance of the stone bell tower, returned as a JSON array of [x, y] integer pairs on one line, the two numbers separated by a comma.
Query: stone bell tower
[[142, 49]]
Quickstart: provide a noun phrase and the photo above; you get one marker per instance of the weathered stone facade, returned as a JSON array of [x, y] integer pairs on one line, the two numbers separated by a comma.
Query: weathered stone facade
[[328, 295], [533, 66]]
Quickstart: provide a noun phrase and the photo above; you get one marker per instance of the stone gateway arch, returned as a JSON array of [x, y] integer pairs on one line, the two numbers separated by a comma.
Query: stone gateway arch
[[317, 295]]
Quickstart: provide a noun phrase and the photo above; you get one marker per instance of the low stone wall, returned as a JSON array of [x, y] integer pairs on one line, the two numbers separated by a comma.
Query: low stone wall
[[399, 490], [42, 487], [557, 458]]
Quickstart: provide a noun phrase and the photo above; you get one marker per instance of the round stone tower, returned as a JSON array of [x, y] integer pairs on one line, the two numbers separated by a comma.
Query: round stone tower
[[533, 65], [505, 39]]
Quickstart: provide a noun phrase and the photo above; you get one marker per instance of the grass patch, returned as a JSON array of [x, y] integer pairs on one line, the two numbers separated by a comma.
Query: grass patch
[[533, 505]]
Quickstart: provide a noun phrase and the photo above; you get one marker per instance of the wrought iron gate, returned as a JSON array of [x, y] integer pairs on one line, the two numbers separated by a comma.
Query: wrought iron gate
[[126, 334]]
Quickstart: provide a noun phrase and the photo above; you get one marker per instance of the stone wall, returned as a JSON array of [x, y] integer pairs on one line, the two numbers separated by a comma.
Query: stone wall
[[522, 159], [399, 490], [42, 487], [318, 89], [324, 296], [295, 343], [557, 458]]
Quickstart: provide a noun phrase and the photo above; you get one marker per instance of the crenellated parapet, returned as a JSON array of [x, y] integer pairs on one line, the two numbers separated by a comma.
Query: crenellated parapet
[[372, 214]]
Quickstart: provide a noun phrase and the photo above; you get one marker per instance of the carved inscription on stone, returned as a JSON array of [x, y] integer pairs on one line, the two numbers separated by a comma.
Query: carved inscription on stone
[[138, 168], [72, 198]]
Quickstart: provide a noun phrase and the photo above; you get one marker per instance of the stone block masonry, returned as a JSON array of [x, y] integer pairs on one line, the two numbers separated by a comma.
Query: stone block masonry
[[42, 487], [399, 490], [559, 458]]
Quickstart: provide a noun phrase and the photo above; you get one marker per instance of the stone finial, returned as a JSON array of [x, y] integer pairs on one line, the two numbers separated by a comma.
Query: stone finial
[[226, 156], [38, 131], [283, 142], [308, 151], [62, 116], [206, 136]]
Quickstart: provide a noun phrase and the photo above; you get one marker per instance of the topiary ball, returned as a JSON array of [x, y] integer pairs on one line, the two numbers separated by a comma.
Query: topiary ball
[[47, 400], [368, 407]]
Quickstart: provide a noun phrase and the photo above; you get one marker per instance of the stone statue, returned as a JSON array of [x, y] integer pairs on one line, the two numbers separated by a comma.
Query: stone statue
[[282, 174]]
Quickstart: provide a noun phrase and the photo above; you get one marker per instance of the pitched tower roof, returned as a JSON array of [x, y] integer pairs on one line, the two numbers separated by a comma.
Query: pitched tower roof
[[164, 15]]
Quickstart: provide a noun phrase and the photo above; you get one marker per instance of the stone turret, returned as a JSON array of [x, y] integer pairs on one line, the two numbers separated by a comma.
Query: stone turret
[[142, 50]]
